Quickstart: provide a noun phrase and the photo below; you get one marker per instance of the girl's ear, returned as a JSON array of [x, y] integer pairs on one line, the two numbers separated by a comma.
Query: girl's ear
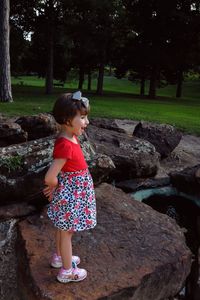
[[68, 123]]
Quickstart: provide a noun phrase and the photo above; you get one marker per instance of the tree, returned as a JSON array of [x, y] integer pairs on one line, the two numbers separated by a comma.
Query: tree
[[5, 76], [105, 38], [78, 25], [157, 40], [41, 17], [89, 27], [182, 47], [19, 50], [47, 13]]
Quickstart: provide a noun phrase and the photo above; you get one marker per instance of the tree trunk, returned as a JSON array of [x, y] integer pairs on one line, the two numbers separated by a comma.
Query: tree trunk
[[100, 79], [110, 70], [81, 77], [50, 49], [142, 86], [49, 72], [89, 80], [153, 81], [5, 76], [179, 84]]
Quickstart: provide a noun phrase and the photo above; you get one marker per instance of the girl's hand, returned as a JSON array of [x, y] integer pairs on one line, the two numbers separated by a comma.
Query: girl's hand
[[51, 180], [48, 192]]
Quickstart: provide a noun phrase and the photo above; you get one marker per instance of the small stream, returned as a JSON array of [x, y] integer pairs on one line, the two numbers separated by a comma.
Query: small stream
[[187, 215]]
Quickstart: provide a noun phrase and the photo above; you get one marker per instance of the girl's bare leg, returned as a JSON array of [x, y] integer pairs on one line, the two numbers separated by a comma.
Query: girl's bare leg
[[66, 248], [58, 242]]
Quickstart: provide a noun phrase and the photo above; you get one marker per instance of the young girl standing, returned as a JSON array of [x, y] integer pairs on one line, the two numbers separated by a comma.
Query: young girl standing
[[69, 186]]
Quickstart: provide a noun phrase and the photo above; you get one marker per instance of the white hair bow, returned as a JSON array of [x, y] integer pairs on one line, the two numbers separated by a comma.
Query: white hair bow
[[78, 96]]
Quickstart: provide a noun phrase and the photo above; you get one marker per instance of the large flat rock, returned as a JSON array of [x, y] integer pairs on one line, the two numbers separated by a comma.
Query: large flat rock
[[133, 157], [186, 154], [133, 253], [23, 166]]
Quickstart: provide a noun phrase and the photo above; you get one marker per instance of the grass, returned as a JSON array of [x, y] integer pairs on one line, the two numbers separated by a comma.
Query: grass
[[111, 84], [120, 100]]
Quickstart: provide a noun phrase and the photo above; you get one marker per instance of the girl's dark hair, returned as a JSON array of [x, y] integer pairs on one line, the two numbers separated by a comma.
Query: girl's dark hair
[[66, 108]]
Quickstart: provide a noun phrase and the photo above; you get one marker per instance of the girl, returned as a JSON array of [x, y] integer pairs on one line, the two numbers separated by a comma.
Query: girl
[[69, 186]]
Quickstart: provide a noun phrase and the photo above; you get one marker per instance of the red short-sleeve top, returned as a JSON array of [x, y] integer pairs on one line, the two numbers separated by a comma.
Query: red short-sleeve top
[[64, 148]]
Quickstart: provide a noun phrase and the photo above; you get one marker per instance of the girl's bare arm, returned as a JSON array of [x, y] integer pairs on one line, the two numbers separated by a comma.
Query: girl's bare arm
[[51, 180]]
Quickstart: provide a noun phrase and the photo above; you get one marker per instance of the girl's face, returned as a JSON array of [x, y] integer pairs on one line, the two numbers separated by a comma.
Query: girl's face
[[79, 124]]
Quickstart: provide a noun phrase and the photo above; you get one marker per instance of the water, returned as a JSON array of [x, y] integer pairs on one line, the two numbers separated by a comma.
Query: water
[[187, 215]]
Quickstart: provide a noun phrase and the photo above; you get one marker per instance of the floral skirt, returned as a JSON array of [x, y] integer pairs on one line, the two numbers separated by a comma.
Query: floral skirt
[[73, 205]]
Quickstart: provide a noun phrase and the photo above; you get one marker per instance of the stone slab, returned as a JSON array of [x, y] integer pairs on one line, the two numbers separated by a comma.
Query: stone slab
[[133, 253]]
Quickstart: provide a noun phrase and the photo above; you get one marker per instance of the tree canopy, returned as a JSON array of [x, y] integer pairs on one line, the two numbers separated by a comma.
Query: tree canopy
[[149, 40]]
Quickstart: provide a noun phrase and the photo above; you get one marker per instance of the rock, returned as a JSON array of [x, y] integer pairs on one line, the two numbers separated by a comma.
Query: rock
[[23, 166], [132, 157], [8, 269], [127, 125], [100, 165], [100, 168], [106, 123], [186, 154], [187, 180], [16, 210], [197, 175], [193, 281], [124, 126], [197, 287], [164, 137], [133, 253], [1, 117], [11, 133], [38, 126], [22, 169], [133, 185]]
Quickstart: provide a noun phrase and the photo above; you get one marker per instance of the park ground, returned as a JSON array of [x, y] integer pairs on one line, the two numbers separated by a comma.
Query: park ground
[[120, 100]]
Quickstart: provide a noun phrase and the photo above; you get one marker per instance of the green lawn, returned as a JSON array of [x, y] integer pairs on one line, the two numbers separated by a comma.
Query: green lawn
[[120, 100]]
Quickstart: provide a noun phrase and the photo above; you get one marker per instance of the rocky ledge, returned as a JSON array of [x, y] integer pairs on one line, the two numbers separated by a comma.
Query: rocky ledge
[[134, 253]]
